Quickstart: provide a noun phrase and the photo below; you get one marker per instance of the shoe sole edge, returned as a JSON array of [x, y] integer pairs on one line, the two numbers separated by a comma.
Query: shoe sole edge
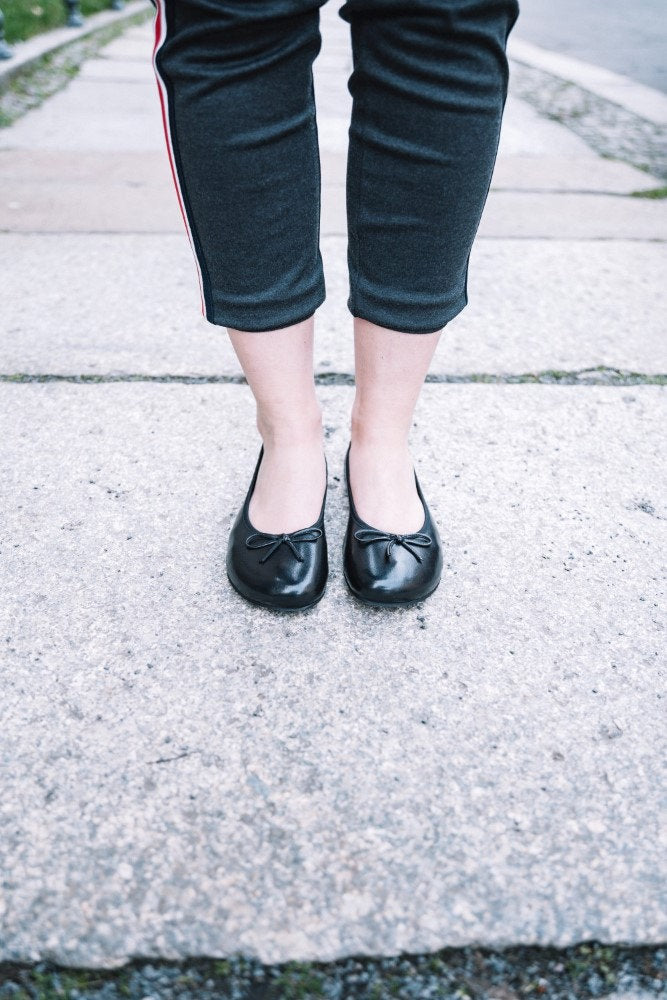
[[389, 604], [270, 604]]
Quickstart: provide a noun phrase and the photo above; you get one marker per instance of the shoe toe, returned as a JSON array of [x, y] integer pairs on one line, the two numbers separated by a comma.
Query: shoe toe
[[282, 581], [397, 578]]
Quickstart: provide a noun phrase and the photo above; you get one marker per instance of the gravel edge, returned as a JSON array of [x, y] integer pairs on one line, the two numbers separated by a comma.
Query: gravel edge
[[30, 82], [610, 129], [587, 970]]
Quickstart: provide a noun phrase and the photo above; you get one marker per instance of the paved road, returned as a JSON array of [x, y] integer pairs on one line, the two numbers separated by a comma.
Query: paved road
[[627, 38], [183, 774]]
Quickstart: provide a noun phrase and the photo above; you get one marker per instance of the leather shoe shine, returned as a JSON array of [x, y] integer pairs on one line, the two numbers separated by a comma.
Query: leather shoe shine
[[387, 568], [287, 571]]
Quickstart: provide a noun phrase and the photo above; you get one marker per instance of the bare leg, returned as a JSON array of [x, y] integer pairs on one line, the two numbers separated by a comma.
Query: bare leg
[[278, 366], [390, 371]]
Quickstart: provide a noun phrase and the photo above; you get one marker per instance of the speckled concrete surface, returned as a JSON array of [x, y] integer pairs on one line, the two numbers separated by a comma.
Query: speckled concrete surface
[[553, 305], [183, 774]]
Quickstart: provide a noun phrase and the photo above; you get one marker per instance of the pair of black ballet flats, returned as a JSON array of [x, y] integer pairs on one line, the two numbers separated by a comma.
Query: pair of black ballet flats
[[289, 571]]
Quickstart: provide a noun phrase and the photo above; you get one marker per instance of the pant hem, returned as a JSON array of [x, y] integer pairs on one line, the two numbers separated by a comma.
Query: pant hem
[[254, 324], [400, 324]]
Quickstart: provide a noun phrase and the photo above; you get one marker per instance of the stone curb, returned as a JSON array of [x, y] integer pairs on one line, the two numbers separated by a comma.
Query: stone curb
[[27, 55], [645, 102]]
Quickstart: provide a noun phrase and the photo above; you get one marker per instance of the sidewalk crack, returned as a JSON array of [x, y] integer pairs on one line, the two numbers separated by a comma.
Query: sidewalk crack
[[598, 375]]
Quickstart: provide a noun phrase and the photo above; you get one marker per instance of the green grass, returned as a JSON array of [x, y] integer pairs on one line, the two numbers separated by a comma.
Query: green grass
[[299, 981], [64, 983], [660, 192], [25, 18]]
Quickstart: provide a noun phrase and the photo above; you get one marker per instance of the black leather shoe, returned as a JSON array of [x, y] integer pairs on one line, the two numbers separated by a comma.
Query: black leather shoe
[[383, 568], [287, 571]]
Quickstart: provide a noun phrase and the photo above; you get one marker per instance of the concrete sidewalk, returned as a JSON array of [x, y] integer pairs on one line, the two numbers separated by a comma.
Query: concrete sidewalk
[[183, 774]]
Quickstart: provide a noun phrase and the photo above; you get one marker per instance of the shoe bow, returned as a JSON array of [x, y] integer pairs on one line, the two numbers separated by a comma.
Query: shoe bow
[[368, 535], [261, 540]]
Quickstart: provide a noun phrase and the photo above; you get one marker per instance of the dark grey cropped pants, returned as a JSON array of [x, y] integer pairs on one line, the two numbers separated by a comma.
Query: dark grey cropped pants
[[429, 86]]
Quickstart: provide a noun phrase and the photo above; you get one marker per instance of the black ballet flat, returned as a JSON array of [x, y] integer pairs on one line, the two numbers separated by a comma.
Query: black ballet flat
[[287, 571], [386, 569]]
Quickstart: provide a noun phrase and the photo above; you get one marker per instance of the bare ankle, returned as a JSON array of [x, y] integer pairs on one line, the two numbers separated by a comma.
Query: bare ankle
[[304, 432], [379, 440], [383, 436]]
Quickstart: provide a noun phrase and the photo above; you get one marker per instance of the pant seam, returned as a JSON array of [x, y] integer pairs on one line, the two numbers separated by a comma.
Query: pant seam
[[178, 163], [360, 107], [318, 163]]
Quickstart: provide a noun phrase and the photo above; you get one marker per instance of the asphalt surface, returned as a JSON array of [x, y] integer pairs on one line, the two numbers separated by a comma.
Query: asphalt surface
[[628, 38]]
